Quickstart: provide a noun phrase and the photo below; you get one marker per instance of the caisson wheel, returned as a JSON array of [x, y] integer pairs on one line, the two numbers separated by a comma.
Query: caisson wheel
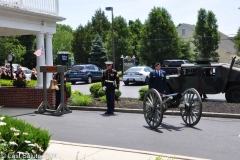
[[191, 107], [152, 108]]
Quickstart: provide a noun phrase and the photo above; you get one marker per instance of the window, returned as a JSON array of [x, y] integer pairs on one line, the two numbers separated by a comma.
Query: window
[[96, 68], [189, 71], [90, 67], [208, 71], [183, 32]]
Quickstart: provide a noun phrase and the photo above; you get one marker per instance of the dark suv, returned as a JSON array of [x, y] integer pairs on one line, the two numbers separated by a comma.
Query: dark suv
[[84, 72]]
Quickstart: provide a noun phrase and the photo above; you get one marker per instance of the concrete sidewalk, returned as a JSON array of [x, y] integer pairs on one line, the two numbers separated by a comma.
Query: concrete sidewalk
[[73, 151]]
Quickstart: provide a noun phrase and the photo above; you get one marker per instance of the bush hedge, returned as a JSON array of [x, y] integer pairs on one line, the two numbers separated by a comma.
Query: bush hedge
[[21, 138], [96, 91], [142, 91]]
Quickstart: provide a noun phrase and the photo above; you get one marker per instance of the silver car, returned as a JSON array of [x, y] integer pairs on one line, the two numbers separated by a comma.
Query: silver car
[[137, 74]]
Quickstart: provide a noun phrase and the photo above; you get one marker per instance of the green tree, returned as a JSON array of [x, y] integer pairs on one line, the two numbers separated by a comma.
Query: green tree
[[98, 52], [12, 44], [185, 49], [62, 41], [237, 42], [81, 44], [135, 28], [100, 24], [206, 36], [121, 41], [160, 38], [29, 42]]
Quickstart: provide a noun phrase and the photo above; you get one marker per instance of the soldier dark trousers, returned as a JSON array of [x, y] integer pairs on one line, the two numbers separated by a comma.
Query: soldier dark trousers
[[110, 101], [58, 98]]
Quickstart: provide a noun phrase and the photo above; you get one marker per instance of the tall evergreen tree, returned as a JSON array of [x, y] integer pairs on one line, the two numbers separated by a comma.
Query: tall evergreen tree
[[160, 38], [100, 24], [237, 42], [98, 53], [206, 36]]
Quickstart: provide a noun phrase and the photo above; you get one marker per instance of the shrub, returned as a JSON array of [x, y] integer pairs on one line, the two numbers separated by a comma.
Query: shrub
[[120, 73], [68, 90], [80, 100], [103, 99], [118, 94], [20, 82], [5, 82], [19, 138], [142, 91], [94, 89], [76, 93]]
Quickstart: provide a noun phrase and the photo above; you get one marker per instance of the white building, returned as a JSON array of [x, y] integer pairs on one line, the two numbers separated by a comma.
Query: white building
[[32, 17]]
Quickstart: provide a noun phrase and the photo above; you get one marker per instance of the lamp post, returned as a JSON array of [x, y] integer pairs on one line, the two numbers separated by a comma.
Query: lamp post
[[113, 53], [122, 64], [133, 57]]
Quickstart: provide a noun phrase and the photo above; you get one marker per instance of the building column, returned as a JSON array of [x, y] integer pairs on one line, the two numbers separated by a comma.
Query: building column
[[49, 56], [40, 59]]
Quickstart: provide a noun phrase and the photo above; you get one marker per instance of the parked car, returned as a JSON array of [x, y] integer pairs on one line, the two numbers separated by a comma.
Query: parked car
[[84, 72], [137, 74], [208, 77], [174, 63]]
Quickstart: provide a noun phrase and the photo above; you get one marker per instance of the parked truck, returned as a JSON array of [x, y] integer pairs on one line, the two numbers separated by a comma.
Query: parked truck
[[208, 77]]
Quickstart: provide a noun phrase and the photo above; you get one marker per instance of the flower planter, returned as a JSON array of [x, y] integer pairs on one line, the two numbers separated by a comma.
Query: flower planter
[[28, 97]]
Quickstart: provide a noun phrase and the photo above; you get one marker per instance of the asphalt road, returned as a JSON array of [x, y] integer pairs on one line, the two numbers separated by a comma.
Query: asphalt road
[[211, 138], [131, 91]]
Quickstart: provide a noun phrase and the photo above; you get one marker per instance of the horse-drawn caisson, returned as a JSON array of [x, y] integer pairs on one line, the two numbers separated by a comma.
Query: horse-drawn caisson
[[189, 103]]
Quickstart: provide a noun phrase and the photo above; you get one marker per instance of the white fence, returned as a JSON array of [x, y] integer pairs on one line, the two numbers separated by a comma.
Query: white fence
[[41, 6]]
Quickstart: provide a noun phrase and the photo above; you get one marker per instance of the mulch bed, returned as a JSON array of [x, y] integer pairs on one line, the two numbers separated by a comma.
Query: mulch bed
[[208, 106]]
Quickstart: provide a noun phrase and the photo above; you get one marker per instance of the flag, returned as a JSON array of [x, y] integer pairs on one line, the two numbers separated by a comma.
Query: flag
[[38, 52]]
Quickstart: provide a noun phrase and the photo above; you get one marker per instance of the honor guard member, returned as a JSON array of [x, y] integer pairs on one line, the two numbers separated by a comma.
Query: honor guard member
[[157, 79], [110, 84]]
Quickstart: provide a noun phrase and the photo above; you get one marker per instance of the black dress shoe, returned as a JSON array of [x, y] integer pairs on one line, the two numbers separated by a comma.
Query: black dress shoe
[[107, 113]]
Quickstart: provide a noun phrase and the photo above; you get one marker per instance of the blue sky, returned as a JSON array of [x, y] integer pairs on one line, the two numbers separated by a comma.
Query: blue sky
[[227, 13]]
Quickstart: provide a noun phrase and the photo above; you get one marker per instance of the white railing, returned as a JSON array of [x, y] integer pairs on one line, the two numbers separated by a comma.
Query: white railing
[[41, 6]]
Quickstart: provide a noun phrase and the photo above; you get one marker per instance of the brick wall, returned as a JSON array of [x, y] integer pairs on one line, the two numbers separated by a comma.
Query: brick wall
[[25, 97]]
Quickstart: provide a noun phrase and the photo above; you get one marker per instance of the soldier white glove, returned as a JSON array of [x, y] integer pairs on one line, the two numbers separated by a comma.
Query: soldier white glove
[[116, 90], [104, 88]]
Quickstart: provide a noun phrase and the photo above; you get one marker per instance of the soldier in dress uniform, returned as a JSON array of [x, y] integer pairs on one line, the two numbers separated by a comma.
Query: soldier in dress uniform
[[157, 79], [110, 84]]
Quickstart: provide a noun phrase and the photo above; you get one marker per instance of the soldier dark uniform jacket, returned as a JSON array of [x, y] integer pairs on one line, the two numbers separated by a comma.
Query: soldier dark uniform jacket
[[157, 80], [110, 79]]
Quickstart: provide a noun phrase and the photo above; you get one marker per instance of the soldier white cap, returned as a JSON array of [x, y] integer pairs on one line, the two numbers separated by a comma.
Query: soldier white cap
[[108, 62]]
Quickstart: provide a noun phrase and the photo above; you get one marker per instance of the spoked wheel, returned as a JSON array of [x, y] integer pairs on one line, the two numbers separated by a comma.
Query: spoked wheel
[[191, 107], [152, 108]]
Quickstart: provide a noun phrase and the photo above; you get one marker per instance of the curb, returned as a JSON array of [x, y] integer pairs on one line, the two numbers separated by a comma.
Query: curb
[[169, 156], [139, 111]]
